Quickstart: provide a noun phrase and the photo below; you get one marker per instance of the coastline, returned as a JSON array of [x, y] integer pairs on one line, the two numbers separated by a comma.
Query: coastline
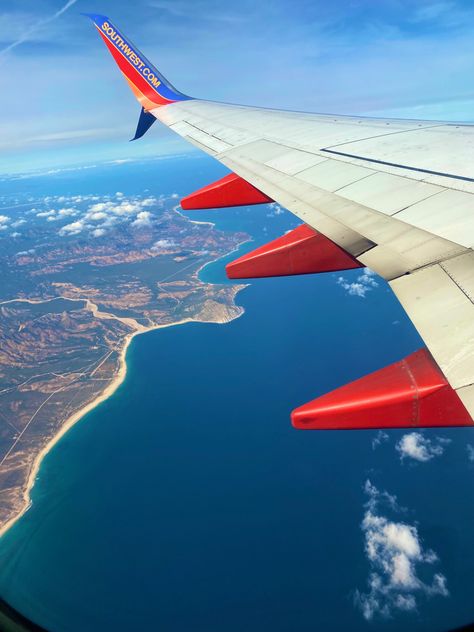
[[236, 249], [116, 381], [78, 415]]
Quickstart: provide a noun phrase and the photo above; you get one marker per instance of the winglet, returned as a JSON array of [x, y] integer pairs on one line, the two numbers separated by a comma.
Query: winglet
[[149, 86], [145, 121]]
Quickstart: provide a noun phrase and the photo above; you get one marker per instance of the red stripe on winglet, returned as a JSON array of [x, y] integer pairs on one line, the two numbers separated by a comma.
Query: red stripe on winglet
[[229, 191], [301, 251], [134, 76], [411, 393]]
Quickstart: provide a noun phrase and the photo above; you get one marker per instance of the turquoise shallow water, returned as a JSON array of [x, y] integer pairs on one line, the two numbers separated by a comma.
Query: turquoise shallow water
[[187, 502]]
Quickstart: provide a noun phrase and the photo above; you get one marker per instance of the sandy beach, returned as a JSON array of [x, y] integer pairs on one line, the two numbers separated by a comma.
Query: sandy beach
[[137, 329], [71, 421], [106, 393]]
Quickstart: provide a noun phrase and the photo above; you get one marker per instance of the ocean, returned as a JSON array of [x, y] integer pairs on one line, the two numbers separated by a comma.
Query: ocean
[[186, 501]]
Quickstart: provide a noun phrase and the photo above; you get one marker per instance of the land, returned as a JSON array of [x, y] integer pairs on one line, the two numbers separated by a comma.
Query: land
[[71, 305]]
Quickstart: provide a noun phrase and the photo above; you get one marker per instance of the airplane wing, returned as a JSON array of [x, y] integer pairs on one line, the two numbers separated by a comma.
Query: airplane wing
[[396, 196]]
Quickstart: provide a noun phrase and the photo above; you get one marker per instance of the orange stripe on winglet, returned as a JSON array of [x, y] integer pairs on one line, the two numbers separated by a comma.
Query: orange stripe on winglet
[[134, 77]]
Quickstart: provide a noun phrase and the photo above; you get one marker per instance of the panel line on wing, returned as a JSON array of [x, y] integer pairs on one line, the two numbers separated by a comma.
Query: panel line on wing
[[399, 166], [423, 200], [455, 278], [399, 131], [345, 186]]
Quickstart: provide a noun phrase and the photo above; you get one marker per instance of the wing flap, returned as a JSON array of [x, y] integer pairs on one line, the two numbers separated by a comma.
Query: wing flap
[[438, 300], [398, 214], [388, 193], [341, 219]]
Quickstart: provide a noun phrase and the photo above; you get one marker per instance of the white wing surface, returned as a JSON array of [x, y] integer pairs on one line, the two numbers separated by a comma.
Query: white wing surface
[[396, 196]]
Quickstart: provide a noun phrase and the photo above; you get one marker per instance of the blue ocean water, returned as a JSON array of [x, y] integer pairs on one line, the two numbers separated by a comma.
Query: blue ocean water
[[188, 502]]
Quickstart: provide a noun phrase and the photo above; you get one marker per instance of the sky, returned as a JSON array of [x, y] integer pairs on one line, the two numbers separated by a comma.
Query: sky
[[63, 101]]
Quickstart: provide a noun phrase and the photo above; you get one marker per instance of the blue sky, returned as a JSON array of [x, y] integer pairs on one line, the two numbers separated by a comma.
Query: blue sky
[[63, 101]]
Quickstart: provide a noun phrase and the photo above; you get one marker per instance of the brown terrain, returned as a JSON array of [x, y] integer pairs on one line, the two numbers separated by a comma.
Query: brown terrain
[[63, 339]]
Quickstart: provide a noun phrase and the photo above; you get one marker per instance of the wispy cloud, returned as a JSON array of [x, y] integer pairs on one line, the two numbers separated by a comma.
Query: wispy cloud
[[416, 446], [67, 135], [200, 9], [380, 437], [364, 283], [470, 452], [447, 15], [274, 210], [35, 27], [395, 553], [432, 11]]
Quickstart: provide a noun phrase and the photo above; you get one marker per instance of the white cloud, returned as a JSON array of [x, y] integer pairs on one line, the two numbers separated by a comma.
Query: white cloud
[[470, 452], [15, 234], [376, 497], [4, 219], [275, 209], [53, 214], [18, 223], [143, 219], [380, 437], [122, 208], [97, 216], [416, 446], [163, 244], [99, 207], [98, 232], [395, 553], [363, 284], [72, 229], [66, 212], [97, 213]]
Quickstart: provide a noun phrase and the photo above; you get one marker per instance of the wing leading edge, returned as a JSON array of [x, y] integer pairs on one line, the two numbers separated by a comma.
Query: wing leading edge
[[393, 195]]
